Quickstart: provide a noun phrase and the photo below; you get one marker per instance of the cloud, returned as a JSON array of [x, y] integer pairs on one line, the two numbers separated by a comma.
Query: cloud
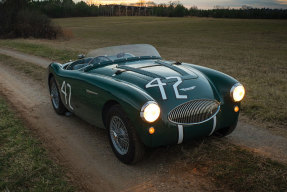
[[284, 2], [235, 3]]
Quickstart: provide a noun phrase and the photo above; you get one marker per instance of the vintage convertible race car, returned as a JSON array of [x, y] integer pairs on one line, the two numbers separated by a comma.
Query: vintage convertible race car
[[143, 100]]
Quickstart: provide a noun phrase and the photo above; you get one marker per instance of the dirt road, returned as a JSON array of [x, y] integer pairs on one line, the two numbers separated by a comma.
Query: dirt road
[[86, 152], [43, 62]]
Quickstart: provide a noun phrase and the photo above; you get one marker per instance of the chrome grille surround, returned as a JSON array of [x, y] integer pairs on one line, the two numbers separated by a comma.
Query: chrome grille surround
[[194, 112]]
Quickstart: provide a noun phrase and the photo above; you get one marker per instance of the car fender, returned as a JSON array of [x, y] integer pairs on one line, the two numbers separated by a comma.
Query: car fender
[[221, 82]]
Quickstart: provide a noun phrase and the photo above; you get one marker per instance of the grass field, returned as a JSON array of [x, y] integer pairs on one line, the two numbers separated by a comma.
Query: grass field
[[253, 51], [24, 163]]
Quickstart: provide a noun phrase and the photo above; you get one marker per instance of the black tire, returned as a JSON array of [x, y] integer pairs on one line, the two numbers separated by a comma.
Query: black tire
[[224, 131], [59, 108], [135, 150]]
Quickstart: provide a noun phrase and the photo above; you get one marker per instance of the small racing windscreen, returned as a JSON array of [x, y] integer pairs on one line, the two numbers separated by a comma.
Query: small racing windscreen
[[125, 51]]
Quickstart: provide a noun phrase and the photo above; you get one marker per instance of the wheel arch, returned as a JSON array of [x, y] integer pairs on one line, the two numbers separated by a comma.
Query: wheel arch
[[49, 78], [134, 116], [106, 108]]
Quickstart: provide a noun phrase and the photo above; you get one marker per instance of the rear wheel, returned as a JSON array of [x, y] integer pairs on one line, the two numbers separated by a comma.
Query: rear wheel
[[123, 138], [55, 97]]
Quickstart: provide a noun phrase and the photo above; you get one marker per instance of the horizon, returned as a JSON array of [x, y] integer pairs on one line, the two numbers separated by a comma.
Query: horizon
[[209, 4]]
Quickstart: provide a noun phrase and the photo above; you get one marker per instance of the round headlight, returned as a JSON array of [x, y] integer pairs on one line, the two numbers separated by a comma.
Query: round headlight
[[150, 111], [237, 92]]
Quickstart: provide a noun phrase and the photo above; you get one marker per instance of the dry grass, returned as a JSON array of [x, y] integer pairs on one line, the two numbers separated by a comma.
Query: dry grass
[[253, 51], [235, 168], [31, 70], [24, 163]]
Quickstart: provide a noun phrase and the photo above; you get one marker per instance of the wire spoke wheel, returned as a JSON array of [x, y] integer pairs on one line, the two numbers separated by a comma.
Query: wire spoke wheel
[[122, 136], [55, 95], [119, 135]]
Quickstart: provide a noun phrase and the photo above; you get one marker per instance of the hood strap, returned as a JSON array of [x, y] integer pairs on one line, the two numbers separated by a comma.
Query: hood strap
[[127, 68], [172, 67]]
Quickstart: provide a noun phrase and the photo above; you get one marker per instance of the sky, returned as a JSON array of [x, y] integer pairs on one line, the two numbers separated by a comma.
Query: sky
[[208, 4]]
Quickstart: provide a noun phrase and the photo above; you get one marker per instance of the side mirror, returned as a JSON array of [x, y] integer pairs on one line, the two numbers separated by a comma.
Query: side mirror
[[81, 56]]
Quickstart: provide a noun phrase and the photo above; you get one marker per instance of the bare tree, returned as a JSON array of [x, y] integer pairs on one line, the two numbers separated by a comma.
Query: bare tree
[[92, 2], [150, 4], [141, 3]]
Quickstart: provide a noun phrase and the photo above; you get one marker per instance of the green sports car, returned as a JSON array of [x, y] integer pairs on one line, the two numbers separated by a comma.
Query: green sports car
[[143, 100]]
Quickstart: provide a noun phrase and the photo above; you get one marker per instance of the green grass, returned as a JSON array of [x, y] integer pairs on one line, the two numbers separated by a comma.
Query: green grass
[[235, 168], [253, 51], [24, 163], [36, 72], [40, 50]]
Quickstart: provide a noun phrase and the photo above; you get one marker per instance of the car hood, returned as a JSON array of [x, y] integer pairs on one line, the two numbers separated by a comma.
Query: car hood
[[178, 82]]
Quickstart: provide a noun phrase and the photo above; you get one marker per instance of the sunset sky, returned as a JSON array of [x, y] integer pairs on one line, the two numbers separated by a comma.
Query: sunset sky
[[207, 4]]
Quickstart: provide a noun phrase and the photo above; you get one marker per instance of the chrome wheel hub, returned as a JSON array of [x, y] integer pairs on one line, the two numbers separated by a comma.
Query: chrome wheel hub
[[119, 135]]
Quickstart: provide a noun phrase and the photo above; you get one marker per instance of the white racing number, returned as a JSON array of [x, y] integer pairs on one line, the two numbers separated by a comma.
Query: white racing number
[[67, 95], [175, 85], [160, 84]]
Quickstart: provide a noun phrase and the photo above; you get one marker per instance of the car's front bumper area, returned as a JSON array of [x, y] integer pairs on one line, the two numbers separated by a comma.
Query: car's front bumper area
[[167, 133]]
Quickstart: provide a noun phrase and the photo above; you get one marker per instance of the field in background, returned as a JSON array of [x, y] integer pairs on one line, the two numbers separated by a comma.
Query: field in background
[[253, 51]]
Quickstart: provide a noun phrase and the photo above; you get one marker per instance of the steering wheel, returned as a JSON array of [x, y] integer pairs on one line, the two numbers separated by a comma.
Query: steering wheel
[[125, 55], [100, 59]]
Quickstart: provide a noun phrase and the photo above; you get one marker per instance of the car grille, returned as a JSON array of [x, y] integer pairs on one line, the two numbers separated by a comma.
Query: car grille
[[194, 112]]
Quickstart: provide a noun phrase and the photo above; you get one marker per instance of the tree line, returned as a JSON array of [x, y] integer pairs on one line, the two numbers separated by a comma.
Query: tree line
[[249, 13], [178, 10], [69, 8], [65, 8], [25, 18]]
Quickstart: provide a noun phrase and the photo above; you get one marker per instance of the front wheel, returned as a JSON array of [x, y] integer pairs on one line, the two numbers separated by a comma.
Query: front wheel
[[224, 131], [123, 138]]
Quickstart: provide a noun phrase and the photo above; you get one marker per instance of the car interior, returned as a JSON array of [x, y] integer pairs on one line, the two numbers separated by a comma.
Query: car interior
[[79, 64]]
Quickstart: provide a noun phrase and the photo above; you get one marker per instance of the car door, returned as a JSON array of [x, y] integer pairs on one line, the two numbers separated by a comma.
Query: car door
[[80, 96], [91, 100], [69, 89], [68, 83]]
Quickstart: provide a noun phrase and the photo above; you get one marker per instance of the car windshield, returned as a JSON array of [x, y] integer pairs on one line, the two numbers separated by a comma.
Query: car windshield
[[124, 52]]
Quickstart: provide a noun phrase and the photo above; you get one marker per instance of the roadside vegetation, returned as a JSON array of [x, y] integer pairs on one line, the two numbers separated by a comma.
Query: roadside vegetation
[[19, 19], [46, 51], [24, 163], [235, 168], [34, 71], [252, 51]]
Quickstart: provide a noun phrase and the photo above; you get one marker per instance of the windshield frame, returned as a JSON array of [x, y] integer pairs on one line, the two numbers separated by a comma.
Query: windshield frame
[[96, 54], [118, 62], [115, 53]]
